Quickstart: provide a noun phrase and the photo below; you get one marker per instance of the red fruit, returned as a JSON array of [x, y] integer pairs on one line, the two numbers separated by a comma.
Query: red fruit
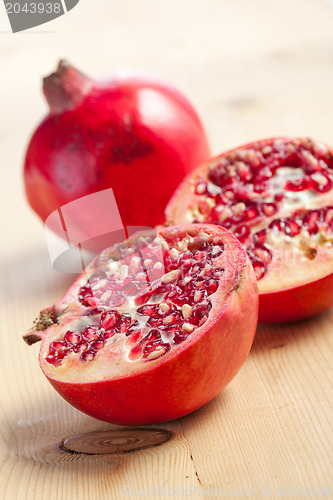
[[132, 363], [129, 132], [282, 213]]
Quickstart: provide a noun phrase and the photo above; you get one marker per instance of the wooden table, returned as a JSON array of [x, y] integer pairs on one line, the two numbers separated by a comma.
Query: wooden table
[[253, 69]]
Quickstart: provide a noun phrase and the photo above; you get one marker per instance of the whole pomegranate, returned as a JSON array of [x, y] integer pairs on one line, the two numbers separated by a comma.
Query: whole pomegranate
[[154, 328], [129, 132], [276, 196]]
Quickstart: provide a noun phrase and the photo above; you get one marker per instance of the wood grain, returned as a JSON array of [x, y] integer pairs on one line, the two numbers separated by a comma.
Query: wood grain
[[253, 69]]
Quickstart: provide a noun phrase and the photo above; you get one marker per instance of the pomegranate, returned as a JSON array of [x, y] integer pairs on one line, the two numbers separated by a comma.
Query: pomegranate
[[129, 132], [276, 197], [154, 328]]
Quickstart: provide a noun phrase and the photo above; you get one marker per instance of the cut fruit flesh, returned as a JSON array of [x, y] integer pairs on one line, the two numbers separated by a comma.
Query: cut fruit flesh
[[276, 196], [136, 307], [165, 342]]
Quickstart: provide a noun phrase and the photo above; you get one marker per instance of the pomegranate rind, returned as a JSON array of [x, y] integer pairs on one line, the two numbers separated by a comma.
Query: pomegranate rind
[[296, 288], [111, 135], [191, 373], [297, 303], [178, 386]]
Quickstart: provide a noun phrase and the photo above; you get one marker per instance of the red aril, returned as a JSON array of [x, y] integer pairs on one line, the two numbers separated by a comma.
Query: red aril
[[276, 196], [129, 132], [154, 328]]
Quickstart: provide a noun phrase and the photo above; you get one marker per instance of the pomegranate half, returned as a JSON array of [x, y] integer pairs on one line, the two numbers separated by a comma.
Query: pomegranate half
[[276, 197], [154, 328], [130, 132]]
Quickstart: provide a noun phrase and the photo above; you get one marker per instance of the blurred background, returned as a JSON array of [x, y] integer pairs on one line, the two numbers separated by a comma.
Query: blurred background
[[252, 69]]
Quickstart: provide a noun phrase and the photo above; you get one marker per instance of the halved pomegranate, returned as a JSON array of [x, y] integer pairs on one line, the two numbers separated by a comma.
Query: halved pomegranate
[[154, 328], [276, 196]]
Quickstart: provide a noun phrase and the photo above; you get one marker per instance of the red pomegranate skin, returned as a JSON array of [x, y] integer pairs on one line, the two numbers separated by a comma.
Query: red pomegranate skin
[[195, 376], [129, 132], [191, 373], [297, 303]]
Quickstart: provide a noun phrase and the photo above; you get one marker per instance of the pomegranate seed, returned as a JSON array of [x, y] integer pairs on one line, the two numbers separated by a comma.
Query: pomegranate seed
[[135, 264], [108, 334], [153, 335], [320, 182], [180, 337], [58, 346], [168, 320], [97, 345], [199, 255], [263, 175], [250, 213], [260, 237], [196, 317], [260, 188], [267, 150], [117, 300], [310, 163], [310, 221], [53, 361], [147, 310], [87, 356], [269, 209], [203, 320], [174, 253], [164, 308], [242, 233], [277, 225], [55, 357], [328, 216], [90, 334], [134, 338], [259, 269], [229, 195], [243, 171], [123, 272], [291, 228], [156, 352], [124, 323], [86, 296], [109, 319], [187, 327], [170, 277], [217, 250], [204, 207], [246, 193], [134, 326], [142, 299], [72, 338], [136, 352], [201, 188], [298, 185], [186, 311], [263, 253], [212, 287], [81, 346]]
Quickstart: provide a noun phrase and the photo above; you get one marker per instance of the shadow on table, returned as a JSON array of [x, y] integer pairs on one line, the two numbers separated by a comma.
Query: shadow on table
[[282, 335]]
